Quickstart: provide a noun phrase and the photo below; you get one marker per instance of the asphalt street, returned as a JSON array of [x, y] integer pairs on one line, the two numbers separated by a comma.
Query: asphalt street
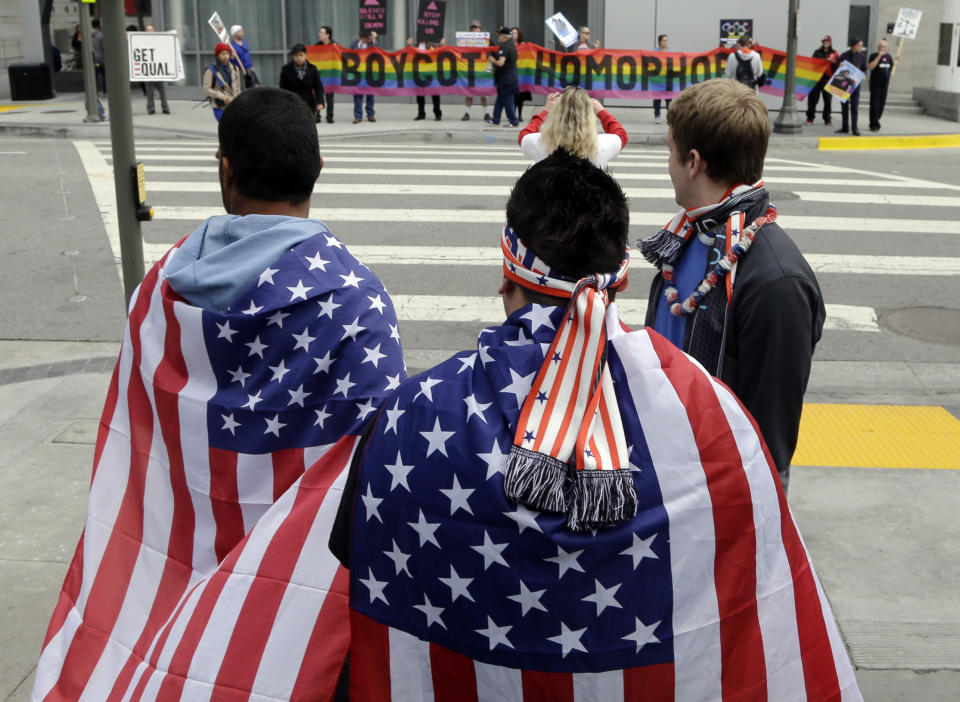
[[880, 229]]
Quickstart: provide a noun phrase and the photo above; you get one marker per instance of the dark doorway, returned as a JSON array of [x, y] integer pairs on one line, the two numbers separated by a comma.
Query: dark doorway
[[859, 24]]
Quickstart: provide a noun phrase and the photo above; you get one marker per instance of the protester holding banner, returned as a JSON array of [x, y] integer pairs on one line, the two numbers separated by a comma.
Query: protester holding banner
[[242, 58], [475, 26], [366, 41], [155, 86], [221, 80], [663, 44], [504, 63], [583, 40], [733, 290], [573, 507], [524, 95], [826, 52], [849, 108], [325, 36], [569, 122], [881, 65], [255, 346], [302, 78]]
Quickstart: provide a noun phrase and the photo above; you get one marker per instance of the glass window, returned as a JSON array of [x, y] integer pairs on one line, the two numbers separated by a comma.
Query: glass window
[[305, 17], [946, 39], [261, 21], [179, 15], [531, 21]]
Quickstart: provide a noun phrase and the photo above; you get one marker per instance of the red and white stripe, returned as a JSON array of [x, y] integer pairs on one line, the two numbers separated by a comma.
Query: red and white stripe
[[162, 569]]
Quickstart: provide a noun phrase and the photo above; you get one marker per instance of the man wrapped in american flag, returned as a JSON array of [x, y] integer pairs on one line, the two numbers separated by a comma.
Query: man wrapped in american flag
[[255, 346], [573, 510]]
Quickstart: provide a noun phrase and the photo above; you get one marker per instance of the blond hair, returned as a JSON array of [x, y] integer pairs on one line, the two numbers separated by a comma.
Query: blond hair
[[727, 124], [571, 124]]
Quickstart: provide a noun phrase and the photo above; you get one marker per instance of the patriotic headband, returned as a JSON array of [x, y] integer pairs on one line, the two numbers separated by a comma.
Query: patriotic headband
[[569, 451]]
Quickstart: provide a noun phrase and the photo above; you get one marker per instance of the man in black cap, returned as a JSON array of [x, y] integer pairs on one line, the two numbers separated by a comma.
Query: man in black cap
[[504, 62]]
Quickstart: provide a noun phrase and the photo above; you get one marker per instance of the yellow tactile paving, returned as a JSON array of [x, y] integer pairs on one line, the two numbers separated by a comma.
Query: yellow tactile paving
[[878, 436], [918, 141], [8, 108]]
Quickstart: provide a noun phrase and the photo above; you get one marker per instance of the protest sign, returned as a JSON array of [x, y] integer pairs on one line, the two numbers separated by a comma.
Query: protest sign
[[219, 29], [846, 79], [908, 21], [430, 19], [732, 29], [473, 38], [562, 29], [373, 16], [154, 57]]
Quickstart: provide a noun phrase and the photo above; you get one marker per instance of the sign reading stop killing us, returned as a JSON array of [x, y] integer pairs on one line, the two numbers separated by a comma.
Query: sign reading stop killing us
[[154, 56]]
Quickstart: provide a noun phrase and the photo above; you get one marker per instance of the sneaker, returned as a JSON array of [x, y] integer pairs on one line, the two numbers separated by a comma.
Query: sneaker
[[809, 121], [166, 112], [828, 123], [486, 116], [371, 119], [508, 124], [437, 118], [465, 118], [489, 121], [419, 117], [657, 120], [151, 112], [329, 121], [842, 131], [357, 120]]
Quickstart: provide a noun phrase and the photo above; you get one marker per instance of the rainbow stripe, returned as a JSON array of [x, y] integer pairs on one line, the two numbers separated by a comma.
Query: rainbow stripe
[[603, 72]]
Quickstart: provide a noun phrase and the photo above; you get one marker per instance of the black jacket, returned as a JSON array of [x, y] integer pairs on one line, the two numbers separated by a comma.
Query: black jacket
[[310, 88], [762, 345]]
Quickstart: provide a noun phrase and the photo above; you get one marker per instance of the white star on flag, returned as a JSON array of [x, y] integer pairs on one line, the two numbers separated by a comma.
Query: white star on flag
[[323, 364], [528, 599], [521, 340], [425, 530], [484, 352], [225, 331], [640, 550], [393, 415], [399, 559], [426, 388], [279, 371], [316, 261], [351, 330], [372, 505], [229, 424], [458, 496], [274, 426], [351, 280], [566, 561], [267, 276], [643, 634], [467, 362], [252, 400], [433, 613], [376, 587], [373, 356], [496, 460], [303, 340], [327, 307], [398, 472], [256, 347], [393, 382], [568, 639], [298, 396], [520, 385], [344, 385], [475, 408], [539, 316], [490, 551], [252, 309], [525, 518], [322, 416], [436, 438], [604, 597], [458, 586], [394, 332], [365, 408], [238, 376], [332, 241], [277, 318], [496, 634], [376, 303]]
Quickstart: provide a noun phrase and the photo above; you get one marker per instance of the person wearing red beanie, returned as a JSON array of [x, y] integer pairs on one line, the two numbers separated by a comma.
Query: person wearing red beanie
[[221, 80]]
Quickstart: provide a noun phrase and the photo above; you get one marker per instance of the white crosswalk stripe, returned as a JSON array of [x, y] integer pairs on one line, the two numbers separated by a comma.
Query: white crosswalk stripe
[[183, 187]]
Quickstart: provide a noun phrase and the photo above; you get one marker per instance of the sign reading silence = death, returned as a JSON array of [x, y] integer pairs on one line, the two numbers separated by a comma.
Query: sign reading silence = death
[[373, 16]]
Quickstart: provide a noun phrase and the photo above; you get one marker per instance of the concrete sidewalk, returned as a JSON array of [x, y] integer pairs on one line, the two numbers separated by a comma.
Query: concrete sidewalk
[[63, 117], [886, 543]]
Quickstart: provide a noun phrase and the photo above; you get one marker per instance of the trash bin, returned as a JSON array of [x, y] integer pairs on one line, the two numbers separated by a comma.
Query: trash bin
[[30, 81]]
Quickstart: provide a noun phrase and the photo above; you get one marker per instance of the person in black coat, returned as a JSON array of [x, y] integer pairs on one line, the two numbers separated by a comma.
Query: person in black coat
[[302, 77]]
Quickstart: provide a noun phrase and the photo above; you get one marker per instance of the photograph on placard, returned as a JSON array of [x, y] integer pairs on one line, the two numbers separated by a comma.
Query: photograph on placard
[[845, 81], [562, 29]]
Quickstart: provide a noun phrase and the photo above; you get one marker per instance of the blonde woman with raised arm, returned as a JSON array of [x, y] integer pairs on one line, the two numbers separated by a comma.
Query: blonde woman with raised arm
[[569, 120]]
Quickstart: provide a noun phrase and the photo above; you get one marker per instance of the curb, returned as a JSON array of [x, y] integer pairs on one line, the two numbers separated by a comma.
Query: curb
[[926, 141]]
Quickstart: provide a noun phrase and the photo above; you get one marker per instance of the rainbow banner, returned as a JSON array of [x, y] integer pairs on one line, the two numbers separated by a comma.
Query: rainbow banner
[[603, 72]]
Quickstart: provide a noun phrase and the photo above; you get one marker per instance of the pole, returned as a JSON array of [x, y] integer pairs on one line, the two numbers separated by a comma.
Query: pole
[[121, 137], [788, 121], [896, 60], [86, 59]]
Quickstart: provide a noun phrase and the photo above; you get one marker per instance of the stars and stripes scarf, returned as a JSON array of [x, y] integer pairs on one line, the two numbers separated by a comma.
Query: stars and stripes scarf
[[202, 571], [569, 452]]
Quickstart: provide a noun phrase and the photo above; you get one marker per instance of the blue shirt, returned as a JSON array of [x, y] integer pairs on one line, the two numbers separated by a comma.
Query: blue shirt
[[687, 275], [243, 51]]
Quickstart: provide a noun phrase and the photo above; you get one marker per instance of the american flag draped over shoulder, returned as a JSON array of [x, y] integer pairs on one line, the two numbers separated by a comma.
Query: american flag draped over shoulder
[[458, 594], [203, 572]]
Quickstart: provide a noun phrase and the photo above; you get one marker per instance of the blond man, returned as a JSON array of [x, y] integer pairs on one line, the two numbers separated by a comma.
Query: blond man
[[734, 291]]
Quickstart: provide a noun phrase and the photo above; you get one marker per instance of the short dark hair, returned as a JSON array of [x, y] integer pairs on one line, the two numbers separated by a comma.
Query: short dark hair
[[660, 37], [328, 30], [95, 23], [270, 138], [297, 48], [745, 40], [572, 214]]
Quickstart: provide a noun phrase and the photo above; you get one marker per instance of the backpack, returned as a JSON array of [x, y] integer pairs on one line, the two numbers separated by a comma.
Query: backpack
[[745, 71]]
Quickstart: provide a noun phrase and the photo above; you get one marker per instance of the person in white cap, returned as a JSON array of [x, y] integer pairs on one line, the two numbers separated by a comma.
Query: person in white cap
[[241, 57]]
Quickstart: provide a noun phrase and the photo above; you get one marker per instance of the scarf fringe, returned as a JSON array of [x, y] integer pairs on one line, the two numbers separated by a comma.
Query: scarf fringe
[[536, 480], [601, 498], [662, 246]]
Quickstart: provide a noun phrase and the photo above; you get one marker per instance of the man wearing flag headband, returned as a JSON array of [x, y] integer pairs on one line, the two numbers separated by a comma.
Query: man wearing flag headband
[[733, 290], [573, 505]]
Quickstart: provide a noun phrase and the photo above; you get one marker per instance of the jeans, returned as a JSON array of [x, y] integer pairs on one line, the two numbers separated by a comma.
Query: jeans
[[328, 100], [161, 88], [358, 106], [656, 108], [506, 95], [848, 111]]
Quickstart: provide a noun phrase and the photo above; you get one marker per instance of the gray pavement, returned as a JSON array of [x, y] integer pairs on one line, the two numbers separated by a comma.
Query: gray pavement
[[886, 543]]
